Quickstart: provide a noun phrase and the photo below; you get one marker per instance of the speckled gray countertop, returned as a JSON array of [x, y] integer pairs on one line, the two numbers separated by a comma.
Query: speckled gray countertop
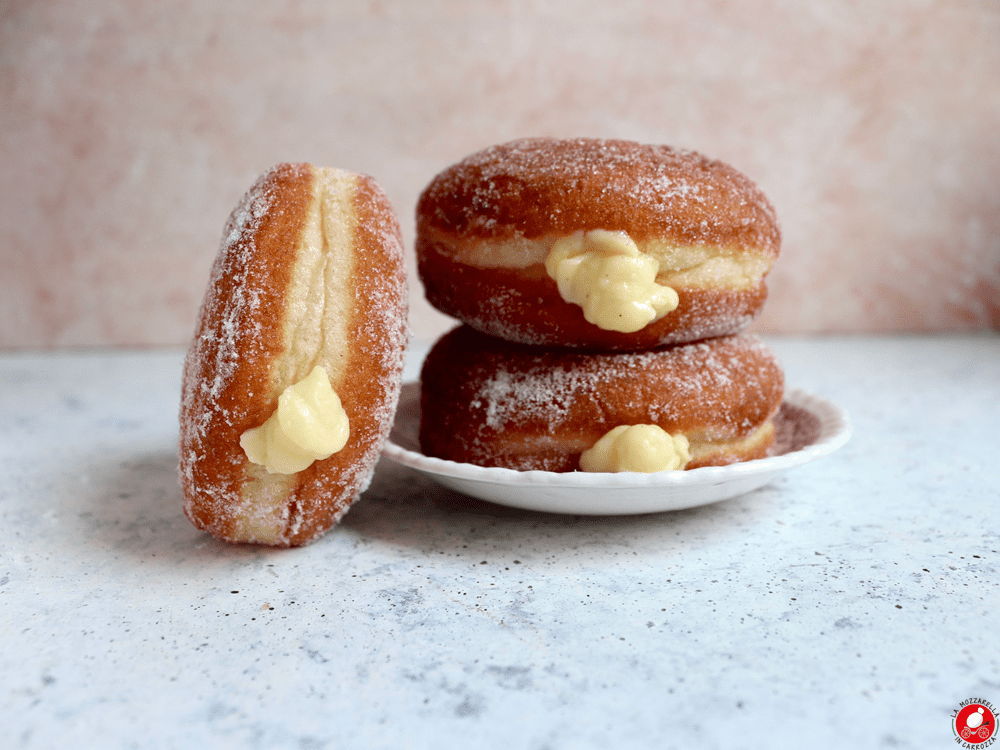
[[852, 603]]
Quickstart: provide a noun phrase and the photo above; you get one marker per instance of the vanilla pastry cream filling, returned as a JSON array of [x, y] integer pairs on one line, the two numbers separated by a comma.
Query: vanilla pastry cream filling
[[310, 424], [645, 448], [605, 274]]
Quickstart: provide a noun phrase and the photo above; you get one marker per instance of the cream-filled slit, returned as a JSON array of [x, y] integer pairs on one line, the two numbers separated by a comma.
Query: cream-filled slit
[[319, 308], [680, 266]]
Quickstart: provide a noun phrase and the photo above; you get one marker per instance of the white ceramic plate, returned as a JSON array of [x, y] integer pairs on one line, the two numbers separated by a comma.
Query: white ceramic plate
[[808, 428]]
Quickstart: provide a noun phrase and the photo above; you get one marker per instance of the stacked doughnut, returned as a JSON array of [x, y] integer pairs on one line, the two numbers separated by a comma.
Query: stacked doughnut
[[603, 286]]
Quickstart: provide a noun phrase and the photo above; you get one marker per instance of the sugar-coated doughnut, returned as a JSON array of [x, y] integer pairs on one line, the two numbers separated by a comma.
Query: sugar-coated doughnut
[[490, 402], [309, 274], [487, 225]]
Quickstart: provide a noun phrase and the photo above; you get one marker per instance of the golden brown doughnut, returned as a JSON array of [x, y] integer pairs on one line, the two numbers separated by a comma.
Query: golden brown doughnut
[[310, 272], [490, 402], [486, 225]]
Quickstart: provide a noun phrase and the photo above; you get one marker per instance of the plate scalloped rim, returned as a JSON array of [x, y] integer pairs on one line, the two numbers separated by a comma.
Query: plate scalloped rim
[[623, 493]]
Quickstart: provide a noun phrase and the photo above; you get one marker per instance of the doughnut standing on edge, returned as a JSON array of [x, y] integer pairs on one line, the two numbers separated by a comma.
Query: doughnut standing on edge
[[602, 244], [296, 360], [489, 402]]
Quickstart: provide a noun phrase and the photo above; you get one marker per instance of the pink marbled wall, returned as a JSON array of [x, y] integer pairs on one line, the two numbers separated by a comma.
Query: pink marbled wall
[[126, 136]]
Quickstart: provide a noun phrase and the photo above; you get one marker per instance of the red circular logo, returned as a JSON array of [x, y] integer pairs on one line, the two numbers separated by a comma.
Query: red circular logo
[[975, 723]]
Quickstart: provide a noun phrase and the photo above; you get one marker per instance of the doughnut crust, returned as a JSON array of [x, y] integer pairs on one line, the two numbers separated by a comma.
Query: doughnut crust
[[495, 403], [486, 224], [310, 272]]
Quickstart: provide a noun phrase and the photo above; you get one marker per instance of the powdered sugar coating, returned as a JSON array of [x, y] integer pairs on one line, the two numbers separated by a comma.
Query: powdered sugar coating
[[230, 327], [244, 352], [537, 186], [494, 403], [236, 301]]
